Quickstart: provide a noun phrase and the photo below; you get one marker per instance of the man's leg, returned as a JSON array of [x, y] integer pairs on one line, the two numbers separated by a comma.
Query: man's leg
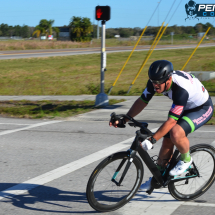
[[166, 152], [179, 139]]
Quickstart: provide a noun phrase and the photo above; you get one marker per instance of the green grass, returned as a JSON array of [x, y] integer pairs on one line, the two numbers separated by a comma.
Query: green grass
[[80, 74], [47, 109], [210, 86]]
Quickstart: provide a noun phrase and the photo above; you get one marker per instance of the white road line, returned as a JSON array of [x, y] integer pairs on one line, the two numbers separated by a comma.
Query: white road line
[[29, 127], [199, 204], [2, 123], [66, 169]]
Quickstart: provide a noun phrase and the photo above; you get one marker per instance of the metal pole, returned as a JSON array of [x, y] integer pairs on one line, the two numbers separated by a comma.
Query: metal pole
[[98, 30], [195, 49], [127, 60], [102, 98], [147, 56], [103, 57]]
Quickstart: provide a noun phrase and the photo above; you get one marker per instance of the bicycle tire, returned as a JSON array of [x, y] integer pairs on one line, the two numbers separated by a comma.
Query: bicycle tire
[[204, 158], [102, 194]]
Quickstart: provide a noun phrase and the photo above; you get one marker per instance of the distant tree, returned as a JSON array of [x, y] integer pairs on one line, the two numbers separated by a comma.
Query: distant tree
[[44, 28], [11, 31], [25, 31], [125, 32], [76, 26], [137, 31], [199, 27], [17, 30], [50, 23], [206, 26], [87, 27], [81, 29], [4, 29], [111, 32]]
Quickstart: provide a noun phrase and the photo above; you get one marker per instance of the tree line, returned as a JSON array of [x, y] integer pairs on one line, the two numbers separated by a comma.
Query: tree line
[[17, 30], [81, 29], [180, 30]]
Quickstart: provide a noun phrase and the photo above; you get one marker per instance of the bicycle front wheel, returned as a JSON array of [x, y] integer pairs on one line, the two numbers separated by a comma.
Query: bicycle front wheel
[[188, 189], [103, 192]]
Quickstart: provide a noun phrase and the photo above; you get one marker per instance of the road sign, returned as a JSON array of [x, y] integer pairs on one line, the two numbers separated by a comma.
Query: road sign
[[103, 13]]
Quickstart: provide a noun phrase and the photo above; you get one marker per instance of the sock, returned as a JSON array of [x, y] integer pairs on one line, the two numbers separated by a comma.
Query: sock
[[160, 168], [186, 157]]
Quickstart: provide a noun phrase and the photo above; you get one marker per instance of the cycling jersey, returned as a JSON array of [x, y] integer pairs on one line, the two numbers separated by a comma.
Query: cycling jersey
[[186, 91]]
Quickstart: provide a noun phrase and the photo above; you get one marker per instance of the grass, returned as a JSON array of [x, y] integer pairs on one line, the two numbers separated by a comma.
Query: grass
[[80, 74], [37, 44], [47, 109], [210, 86]]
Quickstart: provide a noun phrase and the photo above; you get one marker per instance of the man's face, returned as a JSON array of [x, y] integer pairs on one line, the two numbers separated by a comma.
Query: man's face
[[159, 87]]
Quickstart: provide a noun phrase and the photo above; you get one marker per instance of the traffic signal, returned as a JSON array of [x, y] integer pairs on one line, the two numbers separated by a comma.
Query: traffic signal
[[103, 13]]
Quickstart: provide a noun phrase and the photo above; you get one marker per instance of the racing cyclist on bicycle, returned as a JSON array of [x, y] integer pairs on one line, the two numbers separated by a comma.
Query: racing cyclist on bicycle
[[192, 107]]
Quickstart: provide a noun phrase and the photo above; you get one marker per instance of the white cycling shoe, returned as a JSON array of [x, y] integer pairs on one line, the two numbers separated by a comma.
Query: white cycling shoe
[[147, 185], [180, 167]]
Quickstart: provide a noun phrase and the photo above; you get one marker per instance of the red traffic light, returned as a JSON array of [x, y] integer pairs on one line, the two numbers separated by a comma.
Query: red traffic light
[[103, 13]]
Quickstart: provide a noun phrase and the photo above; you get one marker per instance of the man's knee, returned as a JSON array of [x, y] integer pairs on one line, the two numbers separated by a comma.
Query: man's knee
[[177, 133]]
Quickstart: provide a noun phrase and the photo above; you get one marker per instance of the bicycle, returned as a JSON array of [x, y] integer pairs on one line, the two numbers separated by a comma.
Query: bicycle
[[118, 177]]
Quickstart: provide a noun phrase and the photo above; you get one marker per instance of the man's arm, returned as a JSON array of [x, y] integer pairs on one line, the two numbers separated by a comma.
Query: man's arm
[[165, 128], [136, 108]]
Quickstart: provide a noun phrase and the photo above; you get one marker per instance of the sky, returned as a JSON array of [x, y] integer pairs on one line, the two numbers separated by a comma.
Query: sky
[[124, 13]]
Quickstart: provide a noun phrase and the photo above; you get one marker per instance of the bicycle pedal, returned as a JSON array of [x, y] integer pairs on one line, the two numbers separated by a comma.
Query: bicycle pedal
[[150, 191]]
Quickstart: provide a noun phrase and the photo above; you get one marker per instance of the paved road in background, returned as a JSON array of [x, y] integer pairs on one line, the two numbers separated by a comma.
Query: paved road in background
[[45, 164], [77, 51]]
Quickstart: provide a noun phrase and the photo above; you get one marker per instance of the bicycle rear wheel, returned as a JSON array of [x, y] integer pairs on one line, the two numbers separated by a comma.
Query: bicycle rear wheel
[[102, 193], [191, 188]]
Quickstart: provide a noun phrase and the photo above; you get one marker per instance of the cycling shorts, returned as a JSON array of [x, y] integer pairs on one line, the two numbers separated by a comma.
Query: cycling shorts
[[194, 118]]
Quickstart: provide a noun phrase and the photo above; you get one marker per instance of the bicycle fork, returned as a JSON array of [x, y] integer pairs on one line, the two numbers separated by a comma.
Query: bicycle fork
[[131, 155]]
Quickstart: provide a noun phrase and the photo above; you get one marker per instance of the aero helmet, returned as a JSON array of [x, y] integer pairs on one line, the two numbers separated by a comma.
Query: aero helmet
[[160, 71]]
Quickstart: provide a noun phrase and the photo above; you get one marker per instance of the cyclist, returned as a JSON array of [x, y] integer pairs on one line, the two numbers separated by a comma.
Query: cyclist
[[192, 107]]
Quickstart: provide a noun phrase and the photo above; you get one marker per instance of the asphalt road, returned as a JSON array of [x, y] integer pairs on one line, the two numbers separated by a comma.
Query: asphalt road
[[77, 51], [45, 164]]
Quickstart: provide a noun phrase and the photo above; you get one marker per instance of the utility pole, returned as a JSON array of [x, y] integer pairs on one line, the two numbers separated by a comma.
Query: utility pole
[[103, 14], [172, 33]]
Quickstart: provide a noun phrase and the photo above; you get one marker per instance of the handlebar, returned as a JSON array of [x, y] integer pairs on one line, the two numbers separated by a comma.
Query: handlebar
[[142, 126]]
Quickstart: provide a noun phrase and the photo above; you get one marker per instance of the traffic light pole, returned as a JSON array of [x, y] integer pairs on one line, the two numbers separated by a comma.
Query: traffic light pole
[[102, 98]]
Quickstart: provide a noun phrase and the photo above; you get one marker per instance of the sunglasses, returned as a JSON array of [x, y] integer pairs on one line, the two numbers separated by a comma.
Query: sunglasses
[[157, 82]]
